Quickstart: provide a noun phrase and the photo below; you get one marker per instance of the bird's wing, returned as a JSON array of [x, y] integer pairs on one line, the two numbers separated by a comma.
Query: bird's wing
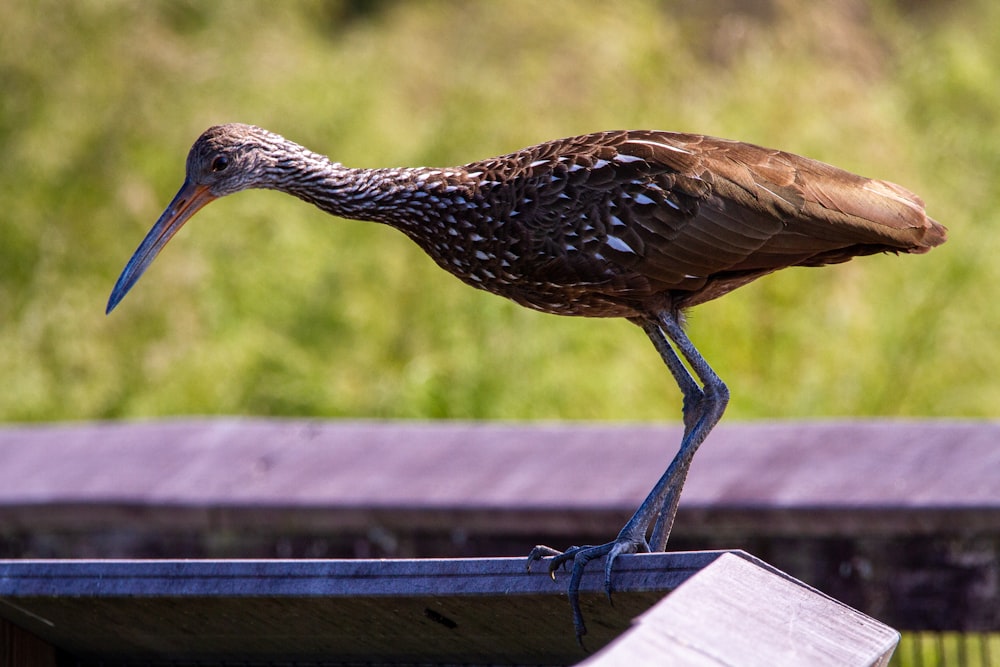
[[648, 212], [695, 206]]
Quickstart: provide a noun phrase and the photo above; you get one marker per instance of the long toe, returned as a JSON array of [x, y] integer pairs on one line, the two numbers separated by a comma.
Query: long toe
[[539, 552], [571, 554], [618, 547], [581, 556]]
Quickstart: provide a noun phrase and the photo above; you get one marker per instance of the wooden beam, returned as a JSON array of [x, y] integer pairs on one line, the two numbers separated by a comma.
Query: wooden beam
[[563, 478], [458, 611], [742, 613], [900, 519], [726, 605]]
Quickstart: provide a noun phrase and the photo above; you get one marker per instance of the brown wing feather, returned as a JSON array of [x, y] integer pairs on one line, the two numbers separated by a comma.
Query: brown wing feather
[[626, 220], [757, 210]]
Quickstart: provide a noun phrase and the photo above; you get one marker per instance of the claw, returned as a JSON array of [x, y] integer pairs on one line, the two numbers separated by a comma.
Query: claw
[[560, 559], [581, 556], [539, 552]]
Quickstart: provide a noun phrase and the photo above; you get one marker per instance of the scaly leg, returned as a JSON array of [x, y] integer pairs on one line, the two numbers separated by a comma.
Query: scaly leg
[[712, 400], [702, 408]]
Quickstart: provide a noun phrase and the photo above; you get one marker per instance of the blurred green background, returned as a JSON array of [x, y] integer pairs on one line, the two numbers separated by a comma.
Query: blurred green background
[[265, 306]]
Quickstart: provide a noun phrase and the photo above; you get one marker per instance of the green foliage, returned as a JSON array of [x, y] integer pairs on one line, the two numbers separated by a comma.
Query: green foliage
[[946, 649], [266, 306]]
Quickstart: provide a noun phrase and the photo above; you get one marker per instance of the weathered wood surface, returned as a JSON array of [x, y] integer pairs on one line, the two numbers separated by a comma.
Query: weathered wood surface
[[561, 475], [738, 612], [456, 611], [900, 519], [727, 606]]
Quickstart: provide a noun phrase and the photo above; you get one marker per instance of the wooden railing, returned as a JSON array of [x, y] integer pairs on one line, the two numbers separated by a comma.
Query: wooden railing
[[900, 520]]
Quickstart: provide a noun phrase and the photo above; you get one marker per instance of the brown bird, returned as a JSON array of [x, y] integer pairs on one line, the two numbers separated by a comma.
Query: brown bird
[[634, 224]]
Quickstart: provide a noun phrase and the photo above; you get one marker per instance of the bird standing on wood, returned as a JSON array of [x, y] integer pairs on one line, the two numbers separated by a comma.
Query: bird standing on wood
[[633, 224]]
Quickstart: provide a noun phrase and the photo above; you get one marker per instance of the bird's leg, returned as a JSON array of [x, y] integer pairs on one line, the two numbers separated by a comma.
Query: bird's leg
[[702, 408]]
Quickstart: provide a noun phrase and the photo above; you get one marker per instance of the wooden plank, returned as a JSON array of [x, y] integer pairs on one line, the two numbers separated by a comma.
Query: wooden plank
[[454, 611], [558, 479], [919, 549], [726, 608], [738, 612]]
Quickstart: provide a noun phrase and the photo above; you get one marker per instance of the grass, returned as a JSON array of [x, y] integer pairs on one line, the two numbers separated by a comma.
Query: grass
[[266, 306], [946, 649]]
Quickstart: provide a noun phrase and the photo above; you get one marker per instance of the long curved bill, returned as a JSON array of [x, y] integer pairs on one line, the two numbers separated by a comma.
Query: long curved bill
[[188, 201]]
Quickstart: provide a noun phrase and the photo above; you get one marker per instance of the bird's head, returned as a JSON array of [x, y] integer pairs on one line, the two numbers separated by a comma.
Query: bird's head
[[229, 158], [225, 159]]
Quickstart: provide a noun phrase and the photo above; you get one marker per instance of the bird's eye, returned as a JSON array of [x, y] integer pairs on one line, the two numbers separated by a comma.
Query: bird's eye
[[220, 163]]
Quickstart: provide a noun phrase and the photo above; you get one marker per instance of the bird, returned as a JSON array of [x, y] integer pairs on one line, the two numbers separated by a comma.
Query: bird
[[634, 224]]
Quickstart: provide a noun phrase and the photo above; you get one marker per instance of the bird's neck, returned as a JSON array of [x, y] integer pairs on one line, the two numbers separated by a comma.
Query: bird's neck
[[401, 197]]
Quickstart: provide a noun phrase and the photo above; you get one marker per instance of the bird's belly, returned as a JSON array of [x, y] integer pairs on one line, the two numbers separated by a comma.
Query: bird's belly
[[546, 285], [576, 301]]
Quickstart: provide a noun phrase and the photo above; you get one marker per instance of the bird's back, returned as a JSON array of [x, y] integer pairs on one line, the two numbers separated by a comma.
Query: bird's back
[[618, 222]]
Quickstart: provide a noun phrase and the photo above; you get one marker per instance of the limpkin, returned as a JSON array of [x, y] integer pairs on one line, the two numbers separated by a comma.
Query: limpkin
[[633, 224]]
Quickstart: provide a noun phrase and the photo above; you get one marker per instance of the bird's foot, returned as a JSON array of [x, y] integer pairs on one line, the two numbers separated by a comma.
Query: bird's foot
[[580, 556]]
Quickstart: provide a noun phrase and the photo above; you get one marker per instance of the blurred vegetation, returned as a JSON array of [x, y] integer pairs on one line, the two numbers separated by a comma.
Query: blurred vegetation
[[266, 306]]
